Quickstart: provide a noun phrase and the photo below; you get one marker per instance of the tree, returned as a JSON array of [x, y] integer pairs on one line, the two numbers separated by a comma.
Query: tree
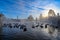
[[30, 18], [1, 15], [36, 19]]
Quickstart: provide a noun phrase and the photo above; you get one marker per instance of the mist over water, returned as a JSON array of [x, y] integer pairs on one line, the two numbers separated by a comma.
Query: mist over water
[[37, 33]]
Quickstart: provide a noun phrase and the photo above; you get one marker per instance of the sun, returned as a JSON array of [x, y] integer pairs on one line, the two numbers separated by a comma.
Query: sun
[[45, 15], [45, 12]]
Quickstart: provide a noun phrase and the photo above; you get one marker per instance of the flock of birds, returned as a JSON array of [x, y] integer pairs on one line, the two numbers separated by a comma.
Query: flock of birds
[[24, 27], [16, 26]]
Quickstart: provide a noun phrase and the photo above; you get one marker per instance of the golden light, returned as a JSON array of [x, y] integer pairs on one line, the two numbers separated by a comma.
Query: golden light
[[53, 7], [45, 15]]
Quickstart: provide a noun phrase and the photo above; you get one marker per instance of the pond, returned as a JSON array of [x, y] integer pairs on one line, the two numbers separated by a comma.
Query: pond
[[37, 33]]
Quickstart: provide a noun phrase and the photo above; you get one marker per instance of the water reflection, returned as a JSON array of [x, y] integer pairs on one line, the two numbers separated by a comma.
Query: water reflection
[[23, 32]]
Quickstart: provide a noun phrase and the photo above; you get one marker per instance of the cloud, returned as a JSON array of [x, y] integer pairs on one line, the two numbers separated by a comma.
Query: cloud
[[37, 7], [51, 6], [24, 8], [44, 7]]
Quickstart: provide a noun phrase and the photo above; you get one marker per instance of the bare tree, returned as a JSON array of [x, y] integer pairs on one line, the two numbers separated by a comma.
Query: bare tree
[[1, 15]]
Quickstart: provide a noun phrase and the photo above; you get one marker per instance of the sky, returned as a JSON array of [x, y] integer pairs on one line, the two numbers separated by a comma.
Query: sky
[[24, 8]]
